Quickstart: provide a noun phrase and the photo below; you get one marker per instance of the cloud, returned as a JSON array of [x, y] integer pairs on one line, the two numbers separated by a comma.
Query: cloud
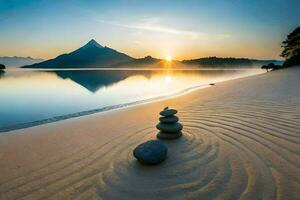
[[223, 36], [163, 29], [153, 25], [137, 42]]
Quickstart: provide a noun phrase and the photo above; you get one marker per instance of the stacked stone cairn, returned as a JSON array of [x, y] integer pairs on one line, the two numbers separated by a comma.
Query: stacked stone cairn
[[154, 152], [168, 126]]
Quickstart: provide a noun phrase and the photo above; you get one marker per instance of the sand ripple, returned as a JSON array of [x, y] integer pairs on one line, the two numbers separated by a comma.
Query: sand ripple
[[221, 156], [229, 150]]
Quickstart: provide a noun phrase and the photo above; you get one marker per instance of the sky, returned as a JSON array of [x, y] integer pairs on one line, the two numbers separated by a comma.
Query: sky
[[183, 29]]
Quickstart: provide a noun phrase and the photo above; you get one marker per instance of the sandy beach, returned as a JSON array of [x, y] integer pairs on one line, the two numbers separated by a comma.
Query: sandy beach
[[241, 140]]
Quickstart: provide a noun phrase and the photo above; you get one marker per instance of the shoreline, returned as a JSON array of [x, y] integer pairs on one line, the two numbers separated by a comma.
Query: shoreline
[[109, 108], [98, 110], [240, 140], [128, 69]]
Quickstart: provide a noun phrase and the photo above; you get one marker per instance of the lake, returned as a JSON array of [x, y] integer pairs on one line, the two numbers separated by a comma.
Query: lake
[[32, 97]]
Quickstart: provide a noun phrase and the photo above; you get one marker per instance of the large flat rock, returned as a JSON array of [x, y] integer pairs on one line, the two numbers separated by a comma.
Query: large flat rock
[[151, 152]]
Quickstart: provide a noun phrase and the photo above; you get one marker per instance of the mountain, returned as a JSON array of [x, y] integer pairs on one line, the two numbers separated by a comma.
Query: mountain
[[219, 62], [94, 55], [90, 55], [18, 61]]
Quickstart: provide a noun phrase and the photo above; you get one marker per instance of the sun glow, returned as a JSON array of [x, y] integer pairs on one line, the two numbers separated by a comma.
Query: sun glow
[[168, 79], [168, 58]]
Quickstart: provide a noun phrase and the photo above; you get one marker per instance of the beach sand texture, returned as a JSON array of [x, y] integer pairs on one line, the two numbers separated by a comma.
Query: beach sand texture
[[241, 140]]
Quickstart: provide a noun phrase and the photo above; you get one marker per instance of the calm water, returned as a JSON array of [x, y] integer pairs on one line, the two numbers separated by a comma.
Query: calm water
[[28, 96]]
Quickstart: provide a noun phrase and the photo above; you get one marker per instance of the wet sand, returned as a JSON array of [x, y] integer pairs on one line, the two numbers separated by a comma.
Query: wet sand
[[241, 141]]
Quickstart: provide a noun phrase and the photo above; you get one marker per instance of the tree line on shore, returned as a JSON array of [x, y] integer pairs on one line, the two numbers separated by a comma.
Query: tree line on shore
[[291, 52], [2, 67]]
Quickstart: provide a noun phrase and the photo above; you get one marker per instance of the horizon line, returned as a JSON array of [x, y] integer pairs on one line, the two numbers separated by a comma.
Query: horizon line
[[105, 46]]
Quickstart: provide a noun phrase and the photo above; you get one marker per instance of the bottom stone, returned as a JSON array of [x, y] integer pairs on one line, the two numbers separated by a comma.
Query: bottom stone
[[151, 152], [168, 136]]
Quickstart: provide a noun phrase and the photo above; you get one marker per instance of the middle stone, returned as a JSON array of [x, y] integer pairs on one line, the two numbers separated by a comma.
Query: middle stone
[[169, 128], [169, 120]]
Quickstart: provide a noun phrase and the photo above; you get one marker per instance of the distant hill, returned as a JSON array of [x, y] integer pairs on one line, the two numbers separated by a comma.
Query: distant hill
[[207, 62], [226, 62], [264, 62], [93, 55], [18, 61], [146, 61], [90, 55], [150, 62]]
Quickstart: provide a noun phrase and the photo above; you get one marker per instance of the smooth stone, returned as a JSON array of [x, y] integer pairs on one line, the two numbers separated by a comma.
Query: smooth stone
[[170, 128], [167, 120], [151, 152], [168, 136], [168, 112]]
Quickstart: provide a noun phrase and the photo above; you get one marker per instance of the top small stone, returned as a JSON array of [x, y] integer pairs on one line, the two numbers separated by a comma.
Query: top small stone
[[168, 112]]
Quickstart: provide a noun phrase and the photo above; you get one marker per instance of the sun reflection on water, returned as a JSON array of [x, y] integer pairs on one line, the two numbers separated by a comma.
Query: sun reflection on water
[[168, 79]]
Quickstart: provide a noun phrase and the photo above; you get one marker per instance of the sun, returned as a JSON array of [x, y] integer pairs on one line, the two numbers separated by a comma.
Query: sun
[[168, 58]]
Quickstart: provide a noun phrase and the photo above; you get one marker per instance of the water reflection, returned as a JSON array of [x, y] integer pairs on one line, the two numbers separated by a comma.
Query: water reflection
[[94, 80], [28, 96]]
